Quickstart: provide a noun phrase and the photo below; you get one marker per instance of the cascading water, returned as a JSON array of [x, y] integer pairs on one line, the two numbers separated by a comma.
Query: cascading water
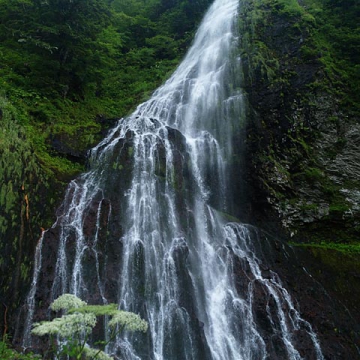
[[146, 228]]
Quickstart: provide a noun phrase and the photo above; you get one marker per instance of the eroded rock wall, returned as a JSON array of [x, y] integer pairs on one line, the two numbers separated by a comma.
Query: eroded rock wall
[[302, 144], [302, 164]]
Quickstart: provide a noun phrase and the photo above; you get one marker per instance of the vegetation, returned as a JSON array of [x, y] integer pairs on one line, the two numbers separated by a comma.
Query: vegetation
[[337, 43], [24, 189], [75, 326], [343, 248], [7, 353], [65, 62], [330, 34]]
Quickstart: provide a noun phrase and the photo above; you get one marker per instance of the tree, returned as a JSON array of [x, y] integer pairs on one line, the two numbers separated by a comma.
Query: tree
[[77, 323], [62, 33]]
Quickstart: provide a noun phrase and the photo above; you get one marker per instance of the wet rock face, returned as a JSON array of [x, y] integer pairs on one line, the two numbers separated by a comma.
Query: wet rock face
[[326, 304], [303, 174], [61, 144], [102, 224], [75, 145], [302, 147], [310, 282], [25, 188]]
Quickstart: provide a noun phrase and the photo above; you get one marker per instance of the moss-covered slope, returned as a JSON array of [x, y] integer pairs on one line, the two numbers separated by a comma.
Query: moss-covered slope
[[27, 199]]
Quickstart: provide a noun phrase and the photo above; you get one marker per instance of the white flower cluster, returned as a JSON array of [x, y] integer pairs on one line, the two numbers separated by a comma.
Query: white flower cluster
[[80, 319], [66, 302], [67, 326], [96, 354], [128, 320]]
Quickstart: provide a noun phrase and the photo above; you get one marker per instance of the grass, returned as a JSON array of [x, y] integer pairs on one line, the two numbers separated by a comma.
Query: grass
[[7, 353], [343, 248]]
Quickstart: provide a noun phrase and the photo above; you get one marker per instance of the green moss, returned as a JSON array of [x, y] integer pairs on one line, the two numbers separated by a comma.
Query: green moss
[[7, 353], [24, 189], [130, 151], [60, 167], [336, 40], [343, 248], [25, 270], [338, 208], [309, 207], [336, 266], [227, 217], [314, 174]]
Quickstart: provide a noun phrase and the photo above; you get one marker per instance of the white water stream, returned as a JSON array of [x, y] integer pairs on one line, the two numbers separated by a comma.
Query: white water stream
[[179, 258]]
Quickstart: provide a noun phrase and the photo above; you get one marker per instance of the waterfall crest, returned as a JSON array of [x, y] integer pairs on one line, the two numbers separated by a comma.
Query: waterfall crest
[[146, 228]]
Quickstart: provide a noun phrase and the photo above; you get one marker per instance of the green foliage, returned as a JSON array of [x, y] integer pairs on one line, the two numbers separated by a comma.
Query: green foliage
[[330, 34], [314, 174], [343, 248], [258, 15], [337, 40], [7, 353], [62, 34], [24, 186], [76, 325], [65, 62]]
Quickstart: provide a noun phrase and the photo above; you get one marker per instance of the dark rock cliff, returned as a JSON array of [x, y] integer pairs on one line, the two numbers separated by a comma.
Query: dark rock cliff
[[302, 165], [305, 145]]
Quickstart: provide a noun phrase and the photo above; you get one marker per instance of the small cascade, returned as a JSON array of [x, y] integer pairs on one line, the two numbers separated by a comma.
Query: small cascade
[[146, 226], [30, 303]]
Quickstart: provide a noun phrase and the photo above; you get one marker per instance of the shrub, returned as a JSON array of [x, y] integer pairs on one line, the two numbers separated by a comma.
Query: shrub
[[74, 327]]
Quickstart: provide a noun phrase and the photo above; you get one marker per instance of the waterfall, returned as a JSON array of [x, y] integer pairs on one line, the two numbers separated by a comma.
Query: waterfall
[[146, 226]]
